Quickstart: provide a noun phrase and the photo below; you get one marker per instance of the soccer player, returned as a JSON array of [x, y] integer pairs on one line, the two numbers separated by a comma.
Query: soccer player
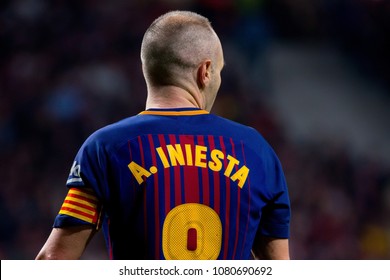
[[174, 181]]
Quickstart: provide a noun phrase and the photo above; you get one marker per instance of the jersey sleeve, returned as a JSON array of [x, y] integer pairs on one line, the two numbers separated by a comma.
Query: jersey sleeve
[[275, 218], [80, 207], [83, 203]]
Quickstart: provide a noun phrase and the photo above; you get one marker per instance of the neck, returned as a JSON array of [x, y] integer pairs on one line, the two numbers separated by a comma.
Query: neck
[[172, 97]]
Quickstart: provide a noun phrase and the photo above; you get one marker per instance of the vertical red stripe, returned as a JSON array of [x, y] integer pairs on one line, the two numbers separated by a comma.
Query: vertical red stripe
[[238, 208], [227, 202], [141, 152], [249, 202], [176, 174], [217, 195], [156, 200], [193, 182], [167, 177], [206, 175], [190, 172]]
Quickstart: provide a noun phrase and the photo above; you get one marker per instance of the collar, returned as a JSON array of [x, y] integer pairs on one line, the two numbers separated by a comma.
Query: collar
[[174, 111]]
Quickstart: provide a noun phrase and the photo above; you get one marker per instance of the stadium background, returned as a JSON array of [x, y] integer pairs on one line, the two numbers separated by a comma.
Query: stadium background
[[311, 75]]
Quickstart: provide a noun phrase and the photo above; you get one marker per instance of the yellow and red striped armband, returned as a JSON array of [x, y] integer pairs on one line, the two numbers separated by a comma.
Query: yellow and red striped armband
[[81, 204]]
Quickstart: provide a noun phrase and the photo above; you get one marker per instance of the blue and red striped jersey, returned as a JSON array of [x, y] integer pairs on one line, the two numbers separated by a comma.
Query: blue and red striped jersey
[[178, 184]]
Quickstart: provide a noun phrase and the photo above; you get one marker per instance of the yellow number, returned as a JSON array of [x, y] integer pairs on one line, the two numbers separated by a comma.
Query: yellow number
[[192, 232]]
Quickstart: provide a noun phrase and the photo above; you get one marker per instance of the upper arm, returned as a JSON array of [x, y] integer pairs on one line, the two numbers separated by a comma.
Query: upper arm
[[271, 248], [66, 243]]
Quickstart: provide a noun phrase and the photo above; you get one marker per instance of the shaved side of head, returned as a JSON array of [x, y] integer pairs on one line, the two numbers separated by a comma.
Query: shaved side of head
[[174, 45]]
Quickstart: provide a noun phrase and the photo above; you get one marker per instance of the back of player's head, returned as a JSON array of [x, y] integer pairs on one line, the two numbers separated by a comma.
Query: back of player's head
[[175, 44]]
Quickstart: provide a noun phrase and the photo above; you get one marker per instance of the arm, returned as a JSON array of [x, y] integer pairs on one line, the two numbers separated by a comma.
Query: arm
[[66, 243], [271, 248]]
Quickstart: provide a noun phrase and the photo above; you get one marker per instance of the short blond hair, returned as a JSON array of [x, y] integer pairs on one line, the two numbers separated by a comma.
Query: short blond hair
[[175, 43]]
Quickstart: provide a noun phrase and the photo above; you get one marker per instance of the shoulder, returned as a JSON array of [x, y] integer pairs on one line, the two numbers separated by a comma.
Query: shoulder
[[243, 131], [112, 133], [250, 137]]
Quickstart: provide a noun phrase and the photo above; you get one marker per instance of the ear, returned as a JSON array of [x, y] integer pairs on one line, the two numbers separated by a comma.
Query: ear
[[204, 74]]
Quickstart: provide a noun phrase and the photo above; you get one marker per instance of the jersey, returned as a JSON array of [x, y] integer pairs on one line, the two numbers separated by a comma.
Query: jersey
[[178, 184]]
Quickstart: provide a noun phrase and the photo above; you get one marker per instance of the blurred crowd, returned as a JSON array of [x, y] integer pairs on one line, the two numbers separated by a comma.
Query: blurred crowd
[[69, 67]]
